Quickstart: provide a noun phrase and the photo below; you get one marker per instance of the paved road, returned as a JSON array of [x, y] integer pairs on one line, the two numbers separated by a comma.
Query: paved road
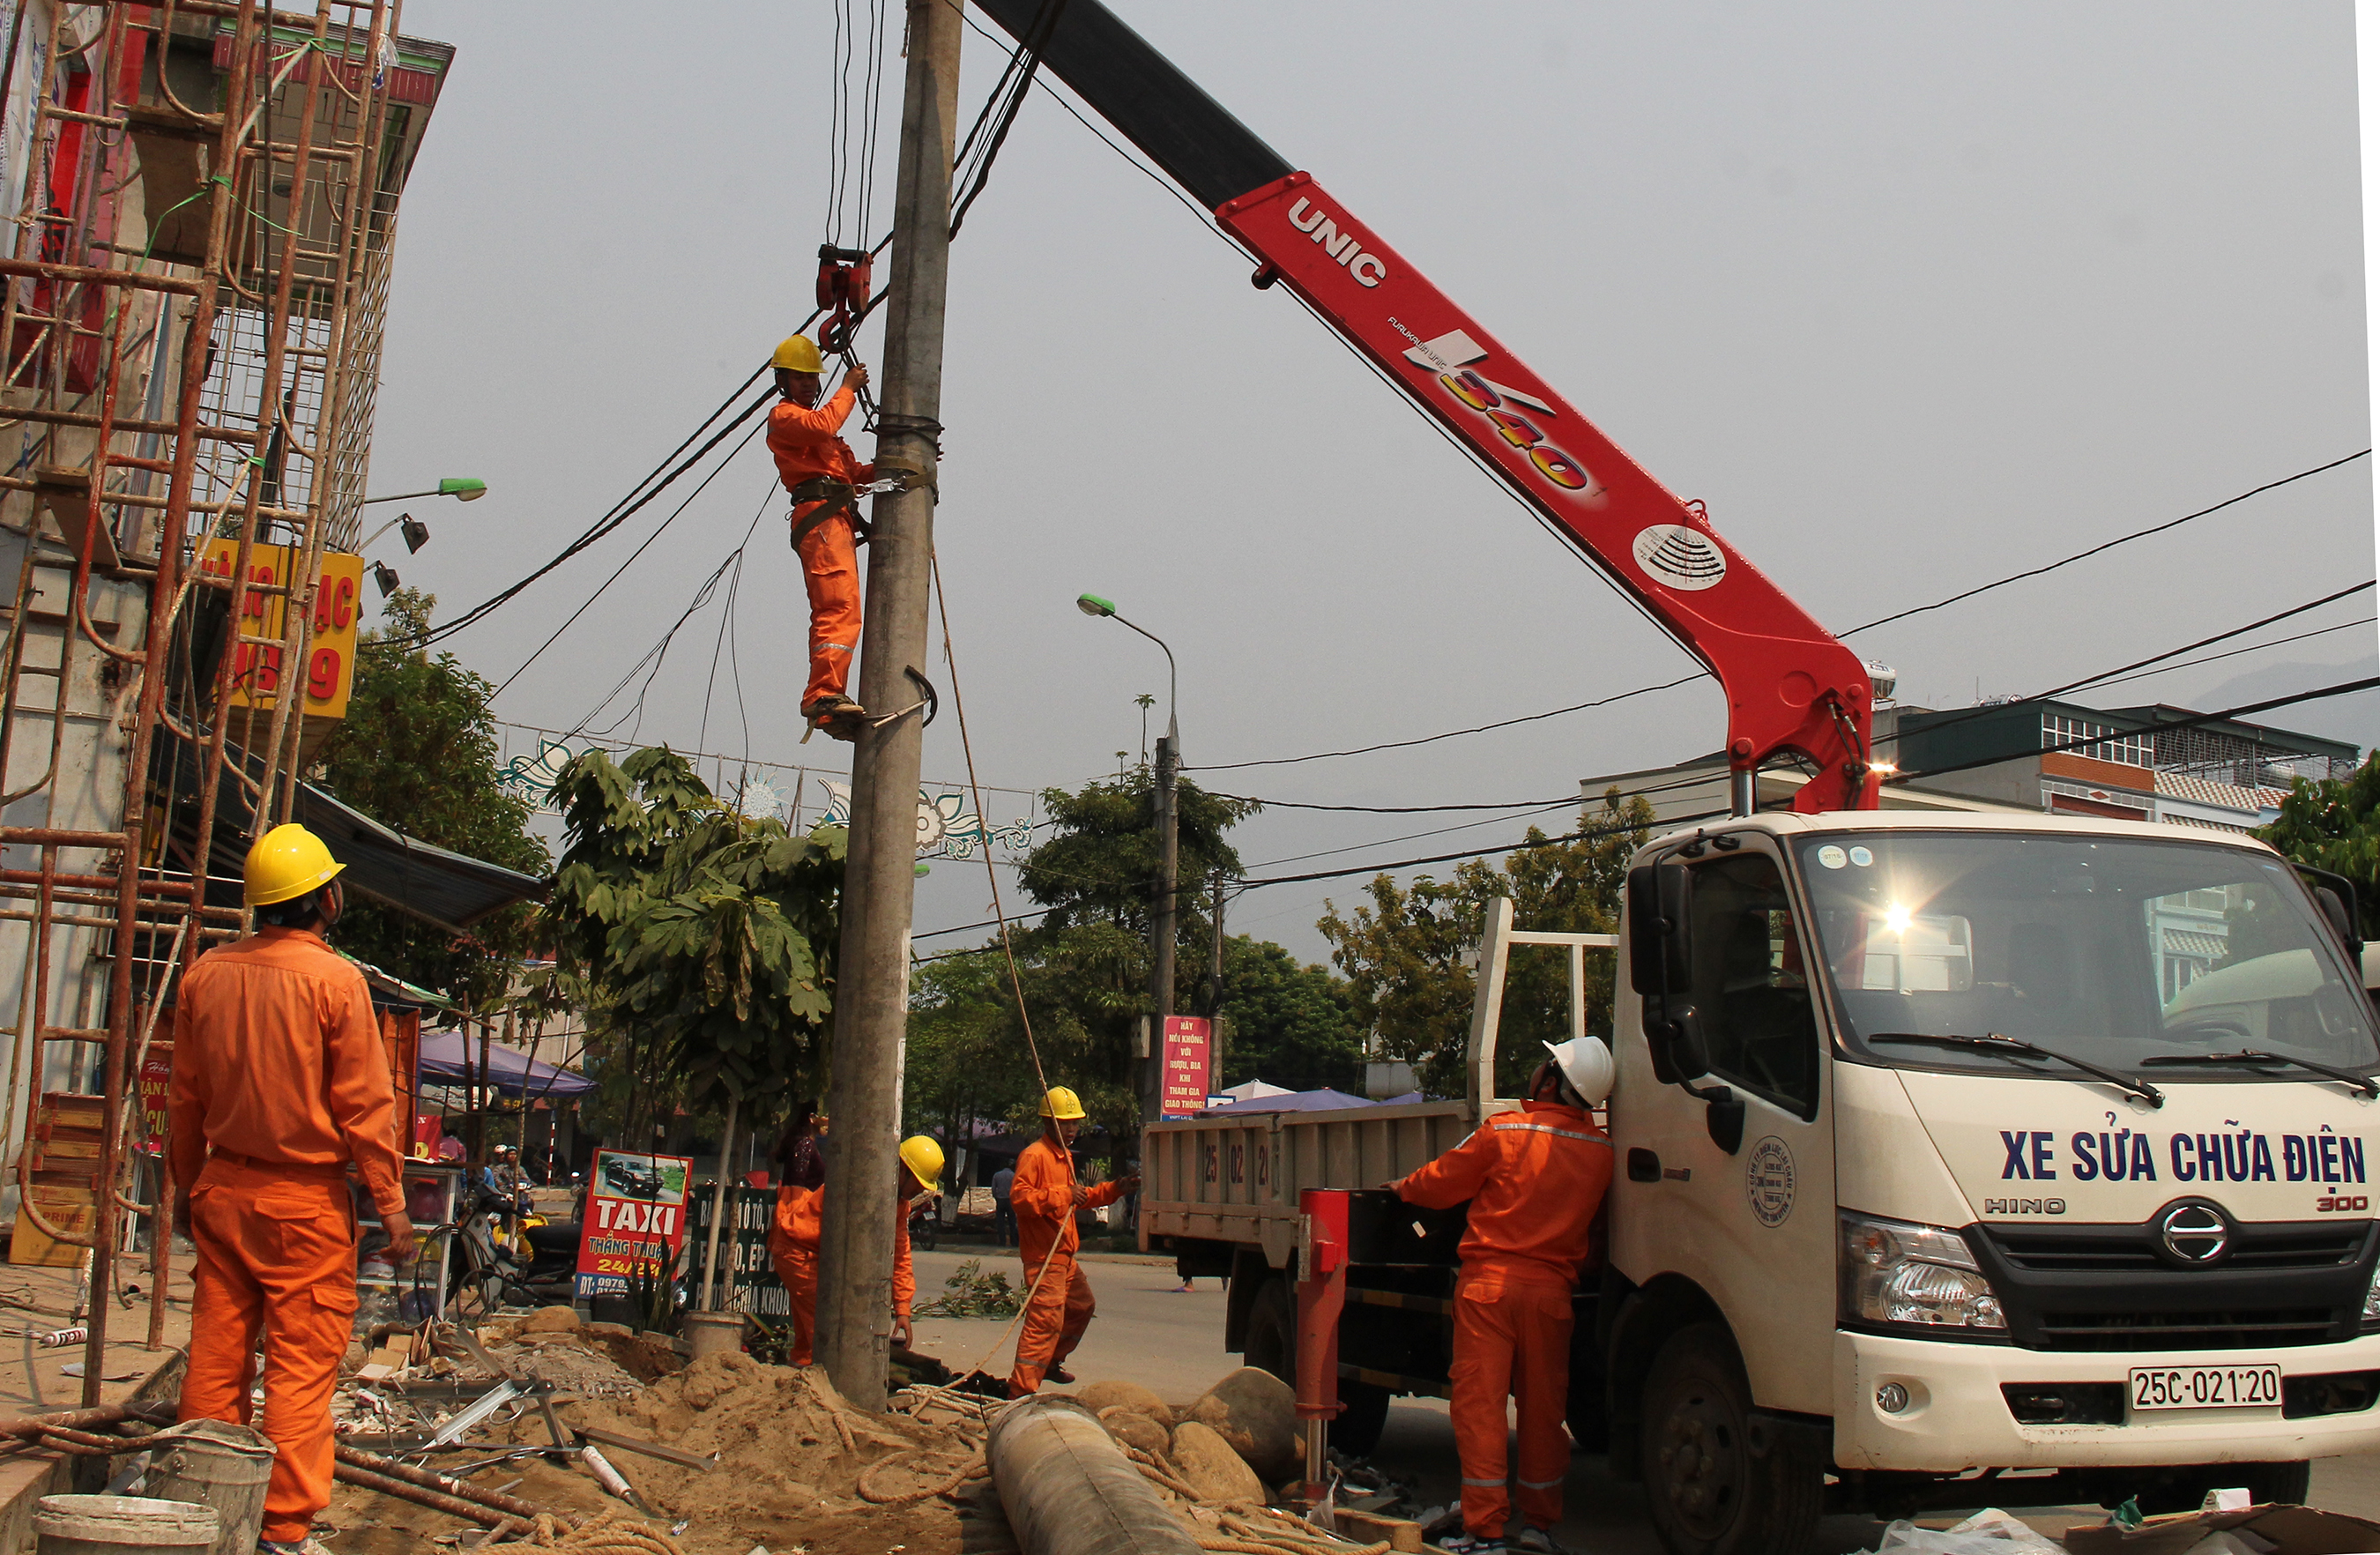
[[1147, 1333]]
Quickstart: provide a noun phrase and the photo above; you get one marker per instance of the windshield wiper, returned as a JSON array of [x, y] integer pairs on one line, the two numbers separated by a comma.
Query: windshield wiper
[[2363, 1083], [1995, 1043]]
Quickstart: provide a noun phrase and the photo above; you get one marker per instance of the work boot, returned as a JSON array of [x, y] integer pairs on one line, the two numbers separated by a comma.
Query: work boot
[[1058, 1375], [1472, 1544], [837, 715], [1538, 1541]]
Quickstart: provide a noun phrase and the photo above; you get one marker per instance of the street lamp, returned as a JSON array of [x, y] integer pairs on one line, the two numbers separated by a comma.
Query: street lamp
[[1160, 928], [462, 488]]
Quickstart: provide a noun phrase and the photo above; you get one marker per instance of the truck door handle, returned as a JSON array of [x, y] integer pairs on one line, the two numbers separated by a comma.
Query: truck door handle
[[1643, 1166]]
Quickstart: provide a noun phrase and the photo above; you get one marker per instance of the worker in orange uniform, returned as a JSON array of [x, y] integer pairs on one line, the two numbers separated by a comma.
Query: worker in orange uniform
[[1534, 1179], [793, 1243], [1045, 1196], [280, 1084], [821, 472]]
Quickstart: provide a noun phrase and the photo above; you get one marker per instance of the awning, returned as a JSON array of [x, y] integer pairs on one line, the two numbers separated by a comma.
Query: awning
[[1323, 1101], [448, 889], [447, 1059]]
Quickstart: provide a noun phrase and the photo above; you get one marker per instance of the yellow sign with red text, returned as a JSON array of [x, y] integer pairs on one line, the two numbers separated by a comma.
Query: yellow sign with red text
[[330, 652]]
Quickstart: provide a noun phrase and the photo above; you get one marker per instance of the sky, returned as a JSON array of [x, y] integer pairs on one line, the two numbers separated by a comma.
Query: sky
[[1912, 297]]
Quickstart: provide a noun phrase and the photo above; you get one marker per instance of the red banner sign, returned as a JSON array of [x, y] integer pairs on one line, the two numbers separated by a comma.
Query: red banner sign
[[636, 1217], [1188, 1048]]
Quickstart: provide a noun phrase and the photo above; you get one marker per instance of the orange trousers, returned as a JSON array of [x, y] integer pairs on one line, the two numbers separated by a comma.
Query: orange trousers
[[831, 572], [799, 1275], [277, 1253], [1055, 1320], [1511, 1341]]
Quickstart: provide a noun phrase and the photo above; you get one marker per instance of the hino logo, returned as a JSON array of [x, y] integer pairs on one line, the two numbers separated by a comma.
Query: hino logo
[[2024, 1207], [1341, 246], [2192, 1231]]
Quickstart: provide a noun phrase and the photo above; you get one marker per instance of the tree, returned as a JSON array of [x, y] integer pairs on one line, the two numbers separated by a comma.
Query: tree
[[1404, 954], [1288, 1024], [418, 751], [2334, 825], [1084, 968], [700, 942]]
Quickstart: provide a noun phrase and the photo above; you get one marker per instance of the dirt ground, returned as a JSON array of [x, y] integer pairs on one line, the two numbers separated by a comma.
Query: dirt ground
[[791, 1460]]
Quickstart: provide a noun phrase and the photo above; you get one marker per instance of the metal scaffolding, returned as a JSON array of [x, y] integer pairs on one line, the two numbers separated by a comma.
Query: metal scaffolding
[[206, 198]]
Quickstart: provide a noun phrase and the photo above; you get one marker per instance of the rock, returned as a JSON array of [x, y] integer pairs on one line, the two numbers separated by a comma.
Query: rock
[[1135, 1429], [608, 1331], [550, 1319], [1257, 1414], [1210, 1466], [1099, 1397]]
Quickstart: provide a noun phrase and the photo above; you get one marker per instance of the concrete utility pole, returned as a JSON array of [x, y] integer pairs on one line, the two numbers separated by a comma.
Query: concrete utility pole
[[854, 1300], [1160, 923]]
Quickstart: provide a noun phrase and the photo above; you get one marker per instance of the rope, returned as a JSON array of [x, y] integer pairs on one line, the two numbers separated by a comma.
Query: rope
[[613, 1533], [973, 1469]]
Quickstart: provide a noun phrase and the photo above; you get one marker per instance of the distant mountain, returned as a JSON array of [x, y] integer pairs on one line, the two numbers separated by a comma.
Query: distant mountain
[[2353, 717]]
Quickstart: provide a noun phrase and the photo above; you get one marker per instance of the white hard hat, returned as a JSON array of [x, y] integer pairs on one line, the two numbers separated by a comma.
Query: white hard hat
[[1585, 1062]]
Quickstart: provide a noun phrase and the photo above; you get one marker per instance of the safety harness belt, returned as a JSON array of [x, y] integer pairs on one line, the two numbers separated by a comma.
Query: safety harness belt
[[834, 497]]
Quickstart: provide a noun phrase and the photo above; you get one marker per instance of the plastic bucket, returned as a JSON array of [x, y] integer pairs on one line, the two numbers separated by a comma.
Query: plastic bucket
[[713, 1333], [217, 1464], [123, 1525]]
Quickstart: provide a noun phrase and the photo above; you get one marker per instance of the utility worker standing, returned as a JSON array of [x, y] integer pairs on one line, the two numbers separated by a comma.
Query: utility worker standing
[[821, 472], [1535, 1180], [280, 1083], [793, 1243], [1044, 1197]]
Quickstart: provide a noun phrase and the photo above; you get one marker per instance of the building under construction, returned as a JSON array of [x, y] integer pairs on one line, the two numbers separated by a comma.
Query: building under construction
[[205, 203]]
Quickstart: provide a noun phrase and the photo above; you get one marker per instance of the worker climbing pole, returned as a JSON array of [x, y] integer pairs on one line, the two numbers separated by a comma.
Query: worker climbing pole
[[872, 978]]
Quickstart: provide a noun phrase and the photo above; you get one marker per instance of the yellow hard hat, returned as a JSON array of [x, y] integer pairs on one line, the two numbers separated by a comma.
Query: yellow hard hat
[[923, 1157], [800, 353], [286, 862], [1061, 1104]]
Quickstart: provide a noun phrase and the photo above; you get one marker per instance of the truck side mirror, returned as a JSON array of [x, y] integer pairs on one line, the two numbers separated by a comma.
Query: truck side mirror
[[2335, 894], [1660, 916], [2341, 917], [1689, 1052]]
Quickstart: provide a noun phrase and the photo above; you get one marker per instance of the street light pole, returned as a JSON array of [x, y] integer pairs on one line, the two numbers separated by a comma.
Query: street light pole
[[1162, 903]]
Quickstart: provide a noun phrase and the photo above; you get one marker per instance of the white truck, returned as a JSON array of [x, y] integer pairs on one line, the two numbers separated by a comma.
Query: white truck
[[1961, 1159]]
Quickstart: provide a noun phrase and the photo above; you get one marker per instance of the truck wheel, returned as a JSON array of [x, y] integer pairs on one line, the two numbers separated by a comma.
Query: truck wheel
[[1272, 1330], [1719, 1480], [2184, 1490]]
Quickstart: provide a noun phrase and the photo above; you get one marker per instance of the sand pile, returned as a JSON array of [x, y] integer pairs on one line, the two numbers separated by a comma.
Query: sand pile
[[796, 1463]]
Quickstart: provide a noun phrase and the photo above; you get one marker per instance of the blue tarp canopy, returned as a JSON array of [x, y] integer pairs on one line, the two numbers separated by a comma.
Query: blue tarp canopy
[[448, 1060], [1323, 1101]]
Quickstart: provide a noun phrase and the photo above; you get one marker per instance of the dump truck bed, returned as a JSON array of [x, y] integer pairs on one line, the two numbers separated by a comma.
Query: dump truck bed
[[1236, 1178]]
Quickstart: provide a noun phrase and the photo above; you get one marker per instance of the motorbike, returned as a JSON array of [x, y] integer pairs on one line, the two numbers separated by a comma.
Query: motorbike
[[925, 1224]]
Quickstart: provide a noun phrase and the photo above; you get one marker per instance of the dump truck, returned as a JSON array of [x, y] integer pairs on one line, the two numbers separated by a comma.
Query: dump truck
[[1959, 1157]]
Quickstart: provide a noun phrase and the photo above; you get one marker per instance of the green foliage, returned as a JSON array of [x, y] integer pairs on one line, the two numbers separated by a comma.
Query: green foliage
[[652, 1292], [1288, 1024], [700, 942], [1099, 864], [418, 751], [2334, 825], [970, 1293], [1403, 953]]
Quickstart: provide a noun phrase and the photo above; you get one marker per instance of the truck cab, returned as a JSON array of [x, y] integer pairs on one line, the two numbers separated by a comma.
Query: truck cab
[[1997, 1147]]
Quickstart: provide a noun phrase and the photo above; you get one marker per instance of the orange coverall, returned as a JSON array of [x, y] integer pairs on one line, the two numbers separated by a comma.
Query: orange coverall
[[1534, 1179], [1061, 1307], [806, 445], [793, 1246], [280, 1080]]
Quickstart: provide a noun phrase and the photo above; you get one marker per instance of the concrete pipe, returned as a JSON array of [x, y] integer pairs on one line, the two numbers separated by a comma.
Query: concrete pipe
[[1069, 1489]]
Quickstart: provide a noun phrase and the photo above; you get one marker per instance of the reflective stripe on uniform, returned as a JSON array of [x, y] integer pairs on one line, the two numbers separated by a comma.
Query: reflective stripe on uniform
[[1534, 1484], [1495, 1482], [1557, 1133]]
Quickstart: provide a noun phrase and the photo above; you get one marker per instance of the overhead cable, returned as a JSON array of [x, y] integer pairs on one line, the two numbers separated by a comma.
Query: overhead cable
[[2104, 545]]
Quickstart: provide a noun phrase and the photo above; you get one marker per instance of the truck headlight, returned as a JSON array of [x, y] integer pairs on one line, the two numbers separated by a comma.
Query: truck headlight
[[2372, 1301], [1922, 1276]]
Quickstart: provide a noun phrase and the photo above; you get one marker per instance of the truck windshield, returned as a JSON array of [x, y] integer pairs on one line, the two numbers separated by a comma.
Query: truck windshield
[[2114, 949]]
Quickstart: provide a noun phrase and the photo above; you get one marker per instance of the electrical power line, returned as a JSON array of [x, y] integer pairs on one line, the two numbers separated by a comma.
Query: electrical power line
[[2104, 545]]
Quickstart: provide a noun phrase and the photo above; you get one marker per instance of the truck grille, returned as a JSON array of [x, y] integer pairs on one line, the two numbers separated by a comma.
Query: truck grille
[[2107, 1288], [2183, 1330], [2122, 1249]]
